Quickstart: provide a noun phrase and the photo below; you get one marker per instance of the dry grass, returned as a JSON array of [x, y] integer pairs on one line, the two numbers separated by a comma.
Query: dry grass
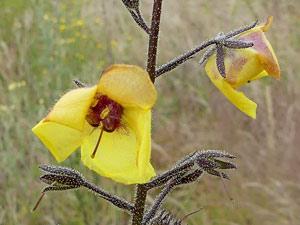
[[190, 113]]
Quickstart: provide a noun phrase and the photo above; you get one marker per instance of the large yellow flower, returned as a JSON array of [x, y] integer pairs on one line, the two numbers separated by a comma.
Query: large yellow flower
[[111, 121], [245, 65]]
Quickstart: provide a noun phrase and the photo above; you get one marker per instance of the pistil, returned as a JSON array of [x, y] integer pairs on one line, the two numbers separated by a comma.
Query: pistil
[[97, 145]]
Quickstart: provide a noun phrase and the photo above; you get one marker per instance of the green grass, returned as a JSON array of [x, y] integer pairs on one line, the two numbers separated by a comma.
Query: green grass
[[46, 44]]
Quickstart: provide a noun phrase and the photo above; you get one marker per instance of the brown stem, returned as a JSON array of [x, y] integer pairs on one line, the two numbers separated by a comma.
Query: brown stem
[[141, 189], [153, 39], [139, 206]]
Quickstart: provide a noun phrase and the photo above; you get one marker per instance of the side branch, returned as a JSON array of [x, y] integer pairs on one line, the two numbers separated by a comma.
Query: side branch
[[183, 58], [181, 167], [133, 6], [137, 16], [201, 159], [115, 200], [180, 180], [60, 178], [186, 171], [221, 40]]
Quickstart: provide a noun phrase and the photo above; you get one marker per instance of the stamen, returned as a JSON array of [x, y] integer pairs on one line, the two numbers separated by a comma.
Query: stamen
[[98, 142], [94, 102], [104, 113]]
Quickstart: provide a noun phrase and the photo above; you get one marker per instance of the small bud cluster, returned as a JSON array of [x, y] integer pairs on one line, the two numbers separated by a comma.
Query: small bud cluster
[[60, 178], [187, 171], [203, 160]]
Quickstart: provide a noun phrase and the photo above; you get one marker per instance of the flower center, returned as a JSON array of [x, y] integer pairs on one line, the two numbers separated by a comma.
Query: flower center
[[105, 114]]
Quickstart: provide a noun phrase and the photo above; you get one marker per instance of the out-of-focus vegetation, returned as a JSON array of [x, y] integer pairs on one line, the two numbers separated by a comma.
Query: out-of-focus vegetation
[[46, 44]]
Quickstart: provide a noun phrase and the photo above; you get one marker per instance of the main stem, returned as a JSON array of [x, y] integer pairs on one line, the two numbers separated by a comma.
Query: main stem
[[141, 189], [139, 205], [153, 40]]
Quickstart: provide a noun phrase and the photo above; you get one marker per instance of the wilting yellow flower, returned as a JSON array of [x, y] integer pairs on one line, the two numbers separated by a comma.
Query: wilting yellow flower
[[245, 65], [111, 121]]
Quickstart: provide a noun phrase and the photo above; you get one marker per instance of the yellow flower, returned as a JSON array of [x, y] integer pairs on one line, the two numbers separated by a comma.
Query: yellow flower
[[80, 23], [3, 108], [97, 20], [113, 43], [99, 45], [79, 56], [12, 86], [84, 36], [62, 27], [245, 65], [111, 121], [45, 17], [71, 40]]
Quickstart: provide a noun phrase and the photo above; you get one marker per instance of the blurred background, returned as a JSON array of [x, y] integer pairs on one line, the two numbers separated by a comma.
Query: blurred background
[[46, 44]]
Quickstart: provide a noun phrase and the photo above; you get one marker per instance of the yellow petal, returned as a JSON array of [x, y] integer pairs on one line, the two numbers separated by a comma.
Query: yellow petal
[[71, 109], [59, 139], [267, 57], [260, 75], [265, 26], [139, 121], [236, 97], [241, 66], [128, 85], [123, 155], [263, 48]]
